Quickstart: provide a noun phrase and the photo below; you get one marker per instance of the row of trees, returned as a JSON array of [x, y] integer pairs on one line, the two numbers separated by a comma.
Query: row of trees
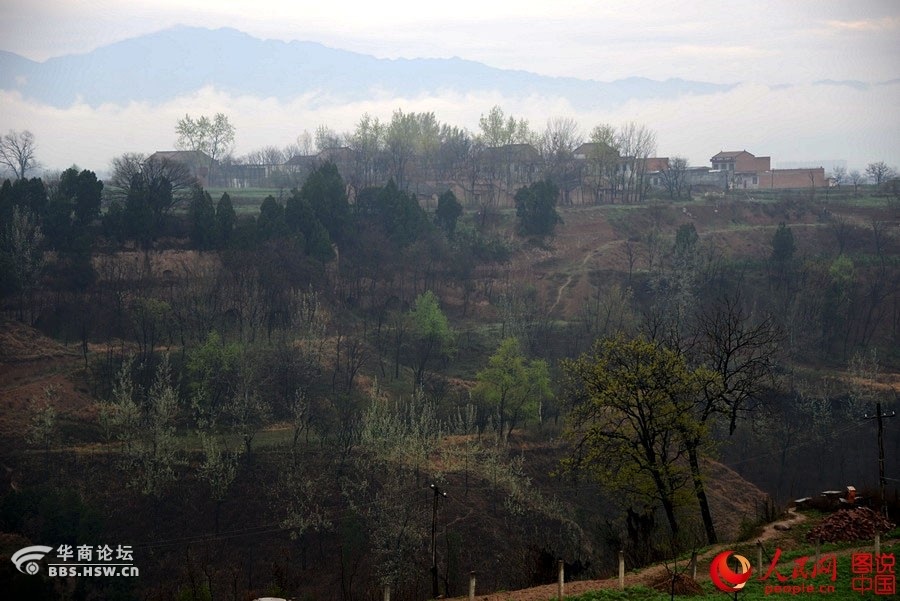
[[416, 149]]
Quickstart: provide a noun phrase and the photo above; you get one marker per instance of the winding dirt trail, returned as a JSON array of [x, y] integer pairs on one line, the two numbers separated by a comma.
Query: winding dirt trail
[[581, 269]]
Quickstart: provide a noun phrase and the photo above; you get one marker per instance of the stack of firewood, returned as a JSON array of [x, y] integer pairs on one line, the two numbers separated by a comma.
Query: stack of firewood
[[851, 524]]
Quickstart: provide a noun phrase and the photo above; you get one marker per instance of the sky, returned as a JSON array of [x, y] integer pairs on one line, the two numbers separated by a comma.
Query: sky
[[775, 50]]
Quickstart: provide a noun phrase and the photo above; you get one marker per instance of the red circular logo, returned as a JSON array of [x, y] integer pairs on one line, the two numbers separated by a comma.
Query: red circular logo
[[724, 577]]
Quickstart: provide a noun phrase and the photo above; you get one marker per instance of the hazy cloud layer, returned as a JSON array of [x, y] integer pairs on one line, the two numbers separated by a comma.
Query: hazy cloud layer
[[808, 122], [768, 41]]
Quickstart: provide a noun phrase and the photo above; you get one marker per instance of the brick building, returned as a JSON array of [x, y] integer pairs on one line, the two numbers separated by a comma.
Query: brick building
[[745, 171]]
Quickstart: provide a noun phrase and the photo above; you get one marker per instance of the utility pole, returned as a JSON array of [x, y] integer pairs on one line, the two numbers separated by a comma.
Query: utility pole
[[881, 479], [434, 571]]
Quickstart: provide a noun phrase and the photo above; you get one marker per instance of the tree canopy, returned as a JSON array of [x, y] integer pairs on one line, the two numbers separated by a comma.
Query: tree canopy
[[214, 136], [513, 387], [431, 331], [632, 408], [536, 208]]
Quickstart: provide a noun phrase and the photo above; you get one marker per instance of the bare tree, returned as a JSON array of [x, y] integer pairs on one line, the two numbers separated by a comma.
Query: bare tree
[[880, 172], [601, 162], [856, 178], [636, 143], [326, 138], [267, 155], [17, 152], [675, 177], [557, 145], [839, 175], [131, 167]]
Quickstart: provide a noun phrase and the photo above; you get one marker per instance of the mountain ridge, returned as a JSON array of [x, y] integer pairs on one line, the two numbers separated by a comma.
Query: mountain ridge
[[180, 60]]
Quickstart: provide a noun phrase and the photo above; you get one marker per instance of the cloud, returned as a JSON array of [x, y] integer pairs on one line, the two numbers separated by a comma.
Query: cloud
[[789, 123], [719, 51], [866, 25]]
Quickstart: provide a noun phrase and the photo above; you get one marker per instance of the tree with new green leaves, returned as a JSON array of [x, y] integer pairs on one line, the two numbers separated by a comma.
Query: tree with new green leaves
[[432, 335], [499, 130], [513, 387], [146, 428], [247, 411], [632, 407], [536, 209], [448, 211], [218, 469], [214, 136], [400, 143], [213, 370], [44, 427]]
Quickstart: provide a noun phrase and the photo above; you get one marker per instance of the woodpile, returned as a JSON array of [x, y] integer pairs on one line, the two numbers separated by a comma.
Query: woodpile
[[849, 525], [684, 585]]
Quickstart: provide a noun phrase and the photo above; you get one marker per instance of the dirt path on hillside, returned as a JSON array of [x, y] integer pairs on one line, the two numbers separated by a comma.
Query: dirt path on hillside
[[644, 577], [589, 255]]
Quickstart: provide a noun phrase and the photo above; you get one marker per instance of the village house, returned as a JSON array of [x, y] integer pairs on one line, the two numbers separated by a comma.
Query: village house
[[746, 171], [201, 166]]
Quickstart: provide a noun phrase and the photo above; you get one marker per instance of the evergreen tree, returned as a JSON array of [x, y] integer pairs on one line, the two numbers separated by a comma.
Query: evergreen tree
[[225, 221], [536, 208], [783, 244], [448, 211], [202, 216]]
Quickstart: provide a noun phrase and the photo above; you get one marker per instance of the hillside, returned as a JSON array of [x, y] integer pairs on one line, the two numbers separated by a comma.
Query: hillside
[[287, 448]]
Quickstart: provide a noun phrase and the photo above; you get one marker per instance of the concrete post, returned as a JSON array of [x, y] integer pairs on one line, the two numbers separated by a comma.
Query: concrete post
[[759, 550], [562, 578]]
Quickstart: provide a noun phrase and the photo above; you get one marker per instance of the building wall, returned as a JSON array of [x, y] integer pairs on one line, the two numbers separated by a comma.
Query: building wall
[[793, 178], [762, 164]]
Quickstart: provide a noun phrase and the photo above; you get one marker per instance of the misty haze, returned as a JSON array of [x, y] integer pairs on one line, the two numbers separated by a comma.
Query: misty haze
[[395, 301]]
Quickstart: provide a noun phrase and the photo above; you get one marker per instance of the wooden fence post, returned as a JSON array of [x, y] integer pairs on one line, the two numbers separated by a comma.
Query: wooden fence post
[[387, 592], [472, 586], [694, 565], [877, 544], [759, 550]]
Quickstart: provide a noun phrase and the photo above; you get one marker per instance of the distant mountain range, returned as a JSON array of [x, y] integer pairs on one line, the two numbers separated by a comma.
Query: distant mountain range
[[174, 62]]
